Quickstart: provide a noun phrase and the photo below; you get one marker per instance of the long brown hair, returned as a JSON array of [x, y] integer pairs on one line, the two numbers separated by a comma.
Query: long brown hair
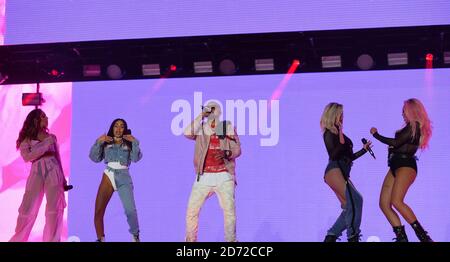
[[31, 126], [125, 130]]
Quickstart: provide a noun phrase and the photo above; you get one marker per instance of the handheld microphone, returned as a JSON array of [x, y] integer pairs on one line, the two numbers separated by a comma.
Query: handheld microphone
[[364, 141], [206, 109]]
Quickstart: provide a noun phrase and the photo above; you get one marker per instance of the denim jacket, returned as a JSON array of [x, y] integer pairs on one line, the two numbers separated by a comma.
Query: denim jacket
[[115, 153]]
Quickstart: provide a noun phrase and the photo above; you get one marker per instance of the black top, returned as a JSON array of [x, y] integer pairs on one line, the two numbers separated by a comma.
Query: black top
[[403, 143], [338, 151]]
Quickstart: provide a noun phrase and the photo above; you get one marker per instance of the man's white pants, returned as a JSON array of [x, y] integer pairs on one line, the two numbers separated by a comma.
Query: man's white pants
[[223, 185]]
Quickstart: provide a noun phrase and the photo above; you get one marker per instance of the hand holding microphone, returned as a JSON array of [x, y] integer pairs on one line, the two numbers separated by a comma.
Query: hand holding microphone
[[206, 111], [368, 147]]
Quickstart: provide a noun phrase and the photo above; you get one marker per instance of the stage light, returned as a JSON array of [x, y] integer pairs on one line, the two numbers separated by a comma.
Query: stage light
[[203, 67], [293, 66], [91, 70], [227, 67], [54, 72], [32, 99], [447, 57], [429, 60], [365, 62], [114, 72], [3, 77], [264, 64], [173, 68], [331, 61], [151, 70], [397, 59], [296, 62]]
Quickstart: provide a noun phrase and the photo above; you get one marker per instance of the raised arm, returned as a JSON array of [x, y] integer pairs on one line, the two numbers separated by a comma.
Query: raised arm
[[193, 129], [96, 152], [403, 138], [135, 154]]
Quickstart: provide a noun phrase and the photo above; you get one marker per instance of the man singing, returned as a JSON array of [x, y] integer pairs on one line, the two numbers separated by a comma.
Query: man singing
[[216, 148]]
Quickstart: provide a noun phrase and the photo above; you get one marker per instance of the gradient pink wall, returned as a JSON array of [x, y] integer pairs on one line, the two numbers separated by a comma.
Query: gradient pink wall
[[13, 171]]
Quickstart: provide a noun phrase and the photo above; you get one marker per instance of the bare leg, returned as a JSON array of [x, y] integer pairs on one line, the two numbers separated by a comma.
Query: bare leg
[[386, 202], [335, 180], [104, 194], [404, 179]]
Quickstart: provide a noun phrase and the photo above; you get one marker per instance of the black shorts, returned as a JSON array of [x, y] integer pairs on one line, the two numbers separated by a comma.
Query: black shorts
[[397, 162]]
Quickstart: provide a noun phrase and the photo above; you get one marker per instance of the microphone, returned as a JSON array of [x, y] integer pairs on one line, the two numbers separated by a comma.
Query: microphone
[[206, 109], [364, 141]]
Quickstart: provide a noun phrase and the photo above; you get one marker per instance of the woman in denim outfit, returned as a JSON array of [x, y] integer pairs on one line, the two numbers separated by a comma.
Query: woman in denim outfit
[[337, 173], [118, 149], [403, 168]]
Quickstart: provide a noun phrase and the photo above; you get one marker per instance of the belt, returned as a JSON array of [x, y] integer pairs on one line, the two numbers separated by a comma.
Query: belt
[[403, 156]]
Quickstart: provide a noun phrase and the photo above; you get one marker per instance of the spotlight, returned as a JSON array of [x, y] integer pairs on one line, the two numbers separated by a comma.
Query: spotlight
[[114, 72], [331, 61], [264, 64], [55, 72], [203, 67], [227, 67], [3, 77], [173, 68], [293, 66], [365, 62], [429, 60], [397, 59], [91, 70], [151, 70]]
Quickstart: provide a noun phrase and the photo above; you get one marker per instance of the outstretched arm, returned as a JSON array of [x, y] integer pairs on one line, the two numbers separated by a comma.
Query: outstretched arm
[[403, 138]]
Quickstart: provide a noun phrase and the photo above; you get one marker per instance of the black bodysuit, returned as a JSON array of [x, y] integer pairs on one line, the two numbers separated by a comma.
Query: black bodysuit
[[402, 148], [338, 151]]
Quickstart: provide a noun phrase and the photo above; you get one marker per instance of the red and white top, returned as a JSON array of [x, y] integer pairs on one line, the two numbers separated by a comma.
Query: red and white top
[[213, 163]]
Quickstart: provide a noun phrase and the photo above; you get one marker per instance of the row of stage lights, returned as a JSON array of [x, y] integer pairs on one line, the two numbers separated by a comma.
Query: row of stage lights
[[266, 65]]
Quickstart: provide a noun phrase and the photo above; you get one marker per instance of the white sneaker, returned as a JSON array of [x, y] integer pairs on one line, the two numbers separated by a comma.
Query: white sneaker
[[102, 239], [136, 238]]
